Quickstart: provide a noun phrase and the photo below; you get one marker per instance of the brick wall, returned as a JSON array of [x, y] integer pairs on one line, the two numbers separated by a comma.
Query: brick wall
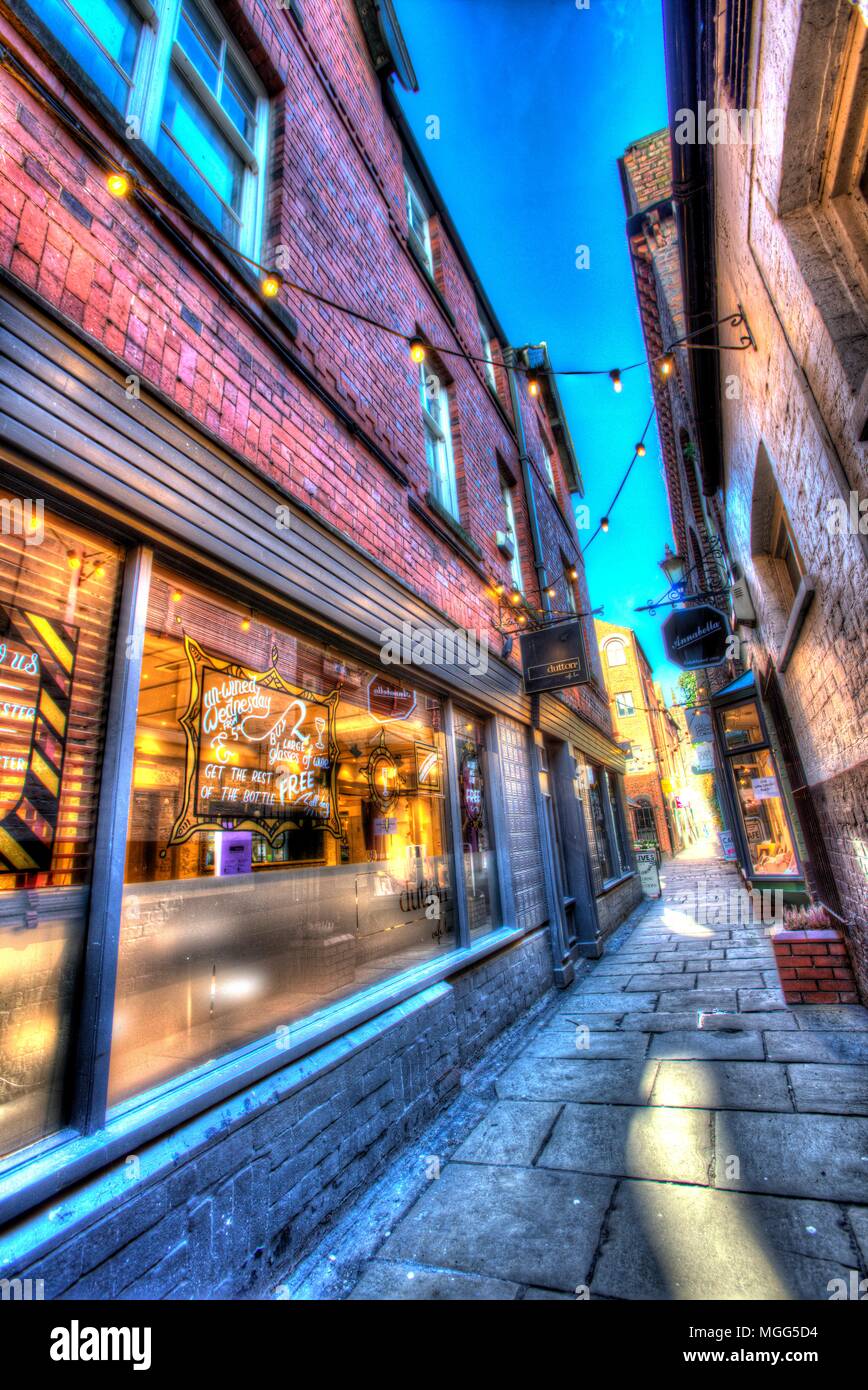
[[336, 222], [220, 1206]]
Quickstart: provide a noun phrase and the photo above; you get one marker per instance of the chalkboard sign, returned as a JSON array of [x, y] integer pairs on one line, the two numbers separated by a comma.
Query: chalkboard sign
[[649, 877]]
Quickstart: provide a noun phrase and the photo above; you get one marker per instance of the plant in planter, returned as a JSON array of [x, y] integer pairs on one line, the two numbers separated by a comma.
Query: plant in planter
[[813, 918]]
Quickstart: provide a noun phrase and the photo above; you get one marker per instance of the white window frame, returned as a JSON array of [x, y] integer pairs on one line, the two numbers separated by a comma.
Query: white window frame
[[488, 356], [625, 695], [158, 52], [616, 644], [438, 429], [421, 239], [515, 573], [549, 471]]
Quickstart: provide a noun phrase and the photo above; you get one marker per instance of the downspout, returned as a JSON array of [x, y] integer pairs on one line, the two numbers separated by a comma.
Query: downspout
[[527, 480]]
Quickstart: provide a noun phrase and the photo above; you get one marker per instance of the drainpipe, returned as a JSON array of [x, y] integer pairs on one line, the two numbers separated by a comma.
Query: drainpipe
[[527, 479]]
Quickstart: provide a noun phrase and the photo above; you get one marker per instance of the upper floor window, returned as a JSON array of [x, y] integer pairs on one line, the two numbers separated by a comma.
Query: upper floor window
[[434, 398], [104, 37], [512, 533], [186, 86], [736, 55], [569, 587], [624, 703], [418, 226], [485, 337], [615, 652], [549, 470], [785, 551]]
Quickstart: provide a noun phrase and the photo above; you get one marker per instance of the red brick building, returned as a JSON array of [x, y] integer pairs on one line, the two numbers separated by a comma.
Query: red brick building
[[281, 832]]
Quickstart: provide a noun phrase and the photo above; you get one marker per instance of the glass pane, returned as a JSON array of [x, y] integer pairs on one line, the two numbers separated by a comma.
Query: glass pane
[[765, 822], [201, 42], [82, 28], [741, 726], [211, 172], [476, 841], [58, 586], [598, 819], [239, 100], [612, 788], [286, 843]]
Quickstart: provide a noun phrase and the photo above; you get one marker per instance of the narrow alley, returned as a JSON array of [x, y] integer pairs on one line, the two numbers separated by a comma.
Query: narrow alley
[[671, 1130]]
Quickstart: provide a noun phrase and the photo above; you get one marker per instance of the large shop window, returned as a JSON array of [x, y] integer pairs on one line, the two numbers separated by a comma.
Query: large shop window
[[597, 793], [287, 836], [476, 835], [58, 592], [754, 777]]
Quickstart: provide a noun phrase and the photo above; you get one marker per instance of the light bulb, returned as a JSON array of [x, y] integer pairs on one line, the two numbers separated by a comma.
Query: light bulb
[[417, 350], [118, 183], [615, 378], [271, 284]]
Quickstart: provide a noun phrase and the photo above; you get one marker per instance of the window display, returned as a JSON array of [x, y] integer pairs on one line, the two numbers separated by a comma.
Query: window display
[[765, 823], [58, 590], [287, 836], [477, 844]]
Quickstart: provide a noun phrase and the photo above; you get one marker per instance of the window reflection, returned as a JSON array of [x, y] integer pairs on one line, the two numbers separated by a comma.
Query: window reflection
[[476, 837], [765, 823], [326, 868]]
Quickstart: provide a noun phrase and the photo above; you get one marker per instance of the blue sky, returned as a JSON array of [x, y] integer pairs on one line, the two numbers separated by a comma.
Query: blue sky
[[536, 101]]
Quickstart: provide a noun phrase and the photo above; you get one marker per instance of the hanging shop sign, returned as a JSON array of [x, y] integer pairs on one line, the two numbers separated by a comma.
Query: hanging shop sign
[[553, 658], [388, 700], [696, 637], [37, 662], [260, 751], [699, 724]]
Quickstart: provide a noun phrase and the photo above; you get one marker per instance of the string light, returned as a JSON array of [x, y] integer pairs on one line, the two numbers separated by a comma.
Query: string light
[[574, 573], [604, 523], [640, 450], [551, 591], [667, 362], [73, 560], [417, 350], [177, 596], [271, 284], [118, 183], [615, 377], [245, 624], [515, 597]]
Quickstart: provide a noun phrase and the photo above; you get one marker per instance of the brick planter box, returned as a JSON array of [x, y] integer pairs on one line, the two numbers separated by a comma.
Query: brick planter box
[[814, 967]]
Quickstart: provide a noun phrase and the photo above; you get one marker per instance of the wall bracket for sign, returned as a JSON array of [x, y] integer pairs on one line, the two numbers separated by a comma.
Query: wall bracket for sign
[[261, 752]]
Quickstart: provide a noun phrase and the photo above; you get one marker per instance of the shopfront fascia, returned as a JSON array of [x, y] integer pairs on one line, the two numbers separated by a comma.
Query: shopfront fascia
[[758, 799], [165, 609]]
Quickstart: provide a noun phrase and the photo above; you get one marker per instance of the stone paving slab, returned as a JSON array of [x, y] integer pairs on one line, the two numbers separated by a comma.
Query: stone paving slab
[[513, 1131], [707, 997], [830, 1016], [590, 1043], [700, 1045], [384, 1280], [832, 1090], [759, 1000], [519, 1225], [605, 1003], [677, 982], [670, 1021], [542, 1078], [631, 1141], [858, 1218], [793, 1155], [717, 1085], [665, 1241], [842, 1045]]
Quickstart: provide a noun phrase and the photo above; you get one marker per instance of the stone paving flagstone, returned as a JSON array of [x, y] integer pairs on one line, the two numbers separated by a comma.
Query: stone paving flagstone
[[669, 1130]]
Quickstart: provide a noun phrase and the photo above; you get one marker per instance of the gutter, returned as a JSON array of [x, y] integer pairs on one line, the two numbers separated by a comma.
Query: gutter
[[688, 27]]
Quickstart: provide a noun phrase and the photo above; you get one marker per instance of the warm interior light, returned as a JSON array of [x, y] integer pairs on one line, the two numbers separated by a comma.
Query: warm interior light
[[118, 183], [640, 450], [177, 596], [515, 596], [73, 560], [417, 350], [245, 624], [667, 362], [604, 524], [615, 378], [271, 284]]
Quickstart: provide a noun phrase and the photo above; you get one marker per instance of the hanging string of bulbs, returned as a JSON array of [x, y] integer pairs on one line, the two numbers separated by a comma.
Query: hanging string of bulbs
[[122, 183]]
